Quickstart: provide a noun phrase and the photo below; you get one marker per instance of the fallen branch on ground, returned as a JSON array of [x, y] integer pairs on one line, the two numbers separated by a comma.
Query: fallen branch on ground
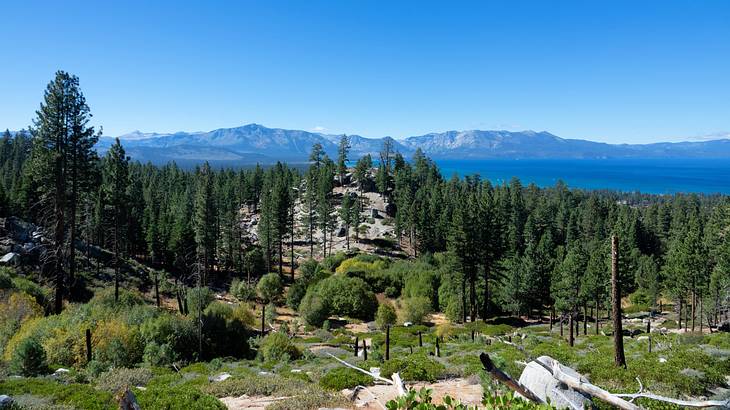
[[506, 380], [395, 378]]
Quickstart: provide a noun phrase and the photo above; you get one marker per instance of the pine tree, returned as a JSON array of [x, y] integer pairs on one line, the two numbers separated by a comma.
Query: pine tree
[[204, 221], [116, 182], [342, 151], [62, 142]]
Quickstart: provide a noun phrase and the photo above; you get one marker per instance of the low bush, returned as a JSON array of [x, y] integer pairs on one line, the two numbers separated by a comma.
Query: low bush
[[169, 338], [278, 347], [415, 309], [176, 397], [242, 291], [314, 309], [385, 316], [29, 359], [344, 378], [416, 367], [347, 296], [117, 344], [118, 379], [332, 262], [80, 396], [257, 385], [224, 333], [199, 297], [270, 287]]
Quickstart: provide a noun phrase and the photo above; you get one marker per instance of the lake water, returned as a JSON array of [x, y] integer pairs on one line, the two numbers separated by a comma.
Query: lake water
[[656, 176]]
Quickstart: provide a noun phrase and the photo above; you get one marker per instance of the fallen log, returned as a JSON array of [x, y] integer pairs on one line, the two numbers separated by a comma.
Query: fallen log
[[395, 379], [590, 389], [506, 380]]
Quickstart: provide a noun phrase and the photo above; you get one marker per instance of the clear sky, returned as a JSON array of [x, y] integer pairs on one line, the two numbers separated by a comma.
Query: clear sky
[[633, 71]]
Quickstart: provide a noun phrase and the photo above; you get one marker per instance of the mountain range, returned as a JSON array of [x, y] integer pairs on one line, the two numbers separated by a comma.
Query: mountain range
[[254, 143]]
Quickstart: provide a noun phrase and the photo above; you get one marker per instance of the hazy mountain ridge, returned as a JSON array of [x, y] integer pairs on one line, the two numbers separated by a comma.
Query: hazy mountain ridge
[[255, 143]]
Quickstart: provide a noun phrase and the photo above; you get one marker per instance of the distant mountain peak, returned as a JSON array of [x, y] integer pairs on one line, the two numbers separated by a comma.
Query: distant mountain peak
[[258, 143]]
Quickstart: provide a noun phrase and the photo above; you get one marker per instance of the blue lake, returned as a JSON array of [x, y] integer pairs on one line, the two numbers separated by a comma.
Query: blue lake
[[657, 176]]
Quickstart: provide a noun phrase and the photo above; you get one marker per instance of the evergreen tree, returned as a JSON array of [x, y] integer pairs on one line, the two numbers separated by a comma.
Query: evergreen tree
[[204, 221], [342, 151], [116, 182], [62, 142]]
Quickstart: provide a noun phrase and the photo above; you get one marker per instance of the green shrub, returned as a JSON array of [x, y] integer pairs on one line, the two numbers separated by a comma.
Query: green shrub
[[314, 309], [176, 397], [6, 282], [392, 292], [270, 313], [117, 379], [385, 316], [422, 400], [105, 299], [295, 294], [348, 296], [422, 282], [270, 287], [416, 367], [168, 338], [278, 347], [258, 385], [332, 262], [80, 396], [224, 334], [640, 297], [29, 359], [344, 378], [242, 291], [199, 297], [415, 309], [117, 344]]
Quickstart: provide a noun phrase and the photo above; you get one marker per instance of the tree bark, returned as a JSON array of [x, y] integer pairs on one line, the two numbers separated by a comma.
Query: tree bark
[[571, 337], [618, 337]]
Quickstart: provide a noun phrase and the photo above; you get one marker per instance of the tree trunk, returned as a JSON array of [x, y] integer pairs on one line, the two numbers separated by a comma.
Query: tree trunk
[[596, 318], [571, 336], [618, 338], [700, 302], [463, 297], [694, 308], [116, 255], [473, 295], [485, 311], [585, 318], [679, 317], [157, 289]]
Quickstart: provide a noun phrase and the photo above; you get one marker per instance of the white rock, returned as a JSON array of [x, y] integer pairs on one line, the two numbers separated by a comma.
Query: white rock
[[662, 360], [541, 382], [220, 377], [407, 324]]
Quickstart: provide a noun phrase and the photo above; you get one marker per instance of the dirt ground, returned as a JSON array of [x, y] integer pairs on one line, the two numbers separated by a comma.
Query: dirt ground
[[465, 390], [374, 397]]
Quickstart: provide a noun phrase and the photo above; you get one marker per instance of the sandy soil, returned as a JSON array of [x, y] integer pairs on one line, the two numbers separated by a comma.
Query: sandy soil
[[466, 391]]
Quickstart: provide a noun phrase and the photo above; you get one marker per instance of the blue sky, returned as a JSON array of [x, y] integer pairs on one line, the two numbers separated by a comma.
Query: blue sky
[[609, 71]]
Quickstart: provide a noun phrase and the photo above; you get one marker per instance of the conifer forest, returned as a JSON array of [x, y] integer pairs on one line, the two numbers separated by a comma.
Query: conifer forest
[[199, 287]]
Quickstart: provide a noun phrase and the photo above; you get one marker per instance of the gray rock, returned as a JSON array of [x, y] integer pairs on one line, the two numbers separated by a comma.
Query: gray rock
[[541, 382], [220, 377], [5, 401]]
